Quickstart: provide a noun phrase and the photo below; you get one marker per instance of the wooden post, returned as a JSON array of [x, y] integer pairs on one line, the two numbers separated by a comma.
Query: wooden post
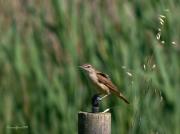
[[94, 123]]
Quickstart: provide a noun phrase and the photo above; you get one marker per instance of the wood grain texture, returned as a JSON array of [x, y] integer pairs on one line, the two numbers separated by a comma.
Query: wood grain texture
[[94, 123]]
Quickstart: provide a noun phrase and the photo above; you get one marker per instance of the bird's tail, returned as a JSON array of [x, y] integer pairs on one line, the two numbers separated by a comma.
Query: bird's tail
[[120, 95]]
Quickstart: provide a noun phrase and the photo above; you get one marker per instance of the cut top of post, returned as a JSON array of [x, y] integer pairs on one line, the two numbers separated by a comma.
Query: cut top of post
[[94, 123]]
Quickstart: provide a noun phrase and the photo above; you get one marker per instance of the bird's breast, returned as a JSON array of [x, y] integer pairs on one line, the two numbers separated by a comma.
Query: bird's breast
[[99, 86]]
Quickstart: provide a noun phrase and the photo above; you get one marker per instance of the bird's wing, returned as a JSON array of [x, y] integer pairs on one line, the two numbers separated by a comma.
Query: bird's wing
[[107, 82], [103, 78], [103, 74]]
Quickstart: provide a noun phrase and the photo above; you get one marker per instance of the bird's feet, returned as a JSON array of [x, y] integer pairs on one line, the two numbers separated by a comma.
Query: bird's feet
[[95, 102], [104, 96]]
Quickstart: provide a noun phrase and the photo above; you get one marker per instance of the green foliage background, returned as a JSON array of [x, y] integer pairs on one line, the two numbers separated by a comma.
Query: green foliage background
[[42, 43]]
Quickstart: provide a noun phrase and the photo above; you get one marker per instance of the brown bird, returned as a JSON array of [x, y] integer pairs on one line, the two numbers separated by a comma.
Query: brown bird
[[102, 82]]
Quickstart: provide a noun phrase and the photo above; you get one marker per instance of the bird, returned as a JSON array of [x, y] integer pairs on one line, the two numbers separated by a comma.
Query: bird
[[102, 82]]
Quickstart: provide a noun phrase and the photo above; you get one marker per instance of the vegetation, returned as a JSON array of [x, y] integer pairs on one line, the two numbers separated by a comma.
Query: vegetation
[[42, 43]]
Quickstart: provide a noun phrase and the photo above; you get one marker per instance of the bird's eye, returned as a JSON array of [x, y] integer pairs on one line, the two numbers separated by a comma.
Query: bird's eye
[[87, 66]]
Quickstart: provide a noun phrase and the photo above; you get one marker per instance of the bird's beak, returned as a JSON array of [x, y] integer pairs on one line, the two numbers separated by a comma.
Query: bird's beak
[[81, 67]]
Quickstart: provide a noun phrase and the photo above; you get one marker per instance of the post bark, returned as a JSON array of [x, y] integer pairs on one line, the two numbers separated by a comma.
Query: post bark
[[94, 123]]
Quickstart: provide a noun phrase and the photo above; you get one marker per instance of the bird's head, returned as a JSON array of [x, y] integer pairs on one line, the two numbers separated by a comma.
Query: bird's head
[[87, 67]]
